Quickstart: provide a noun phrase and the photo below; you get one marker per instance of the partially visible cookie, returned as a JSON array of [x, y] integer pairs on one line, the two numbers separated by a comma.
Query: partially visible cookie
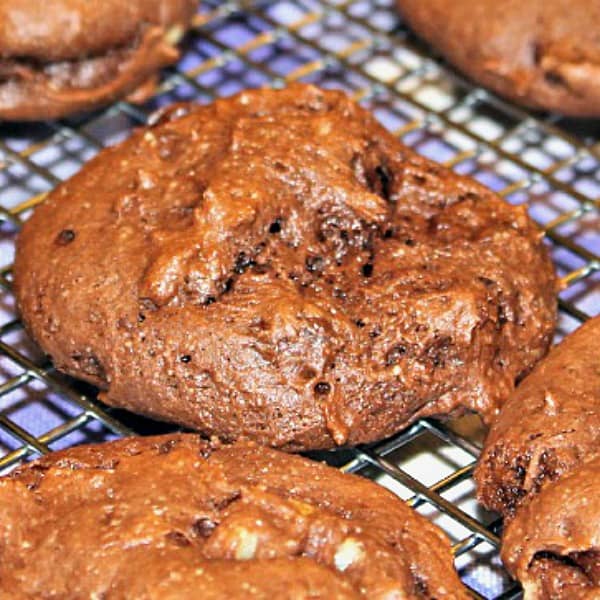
[[174, 517], [548, 427], [553, 544], [65, 56], [541, 53]]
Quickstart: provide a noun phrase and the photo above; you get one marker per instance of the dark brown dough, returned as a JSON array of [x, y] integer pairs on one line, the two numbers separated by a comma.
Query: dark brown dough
[[549, 426], [541, 53], [278, 266], [553, 544], [65, 56], [175, 517]]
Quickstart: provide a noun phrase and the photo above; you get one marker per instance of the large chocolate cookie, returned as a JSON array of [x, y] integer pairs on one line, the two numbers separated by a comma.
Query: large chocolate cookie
[[553, 544], [174, 517], [548, 427], [541, 53], [276, 265], [64, 56]]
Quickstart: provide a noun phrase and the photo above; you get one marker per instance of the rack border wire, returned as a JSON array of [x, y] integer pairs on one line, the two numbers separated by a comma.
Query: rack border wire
[[318, 61]]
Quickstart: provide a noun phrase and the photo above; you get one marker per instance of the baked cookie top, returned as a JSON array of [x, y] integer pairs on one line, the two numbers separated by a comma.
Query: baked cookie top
[[553, 543], [277, 265], [548, 427], [176, 517], [542, 53], [65, 56], [58, 30]]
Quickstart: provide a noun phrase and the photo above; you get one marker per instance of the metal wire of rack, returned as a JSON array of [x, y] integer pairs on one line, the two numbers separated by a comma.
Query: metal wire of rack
[[359, 46]]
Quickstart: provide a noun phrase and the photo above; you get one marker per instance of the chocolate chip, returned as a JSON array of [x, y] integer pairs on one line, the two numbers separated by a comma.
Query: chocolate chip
[[242, 262], [558, 558], [554, 78], [314, 263], [66, 236], [222, 503], [203, 527], [421, 585], [307, 372], [209, 300], [520, 473], [185, 358], [468, 196], [359, 323], [393, 355], [275, 226], [385, 181], [502, 317], [322, 388], [486, 281], [367, 270], [178, 538], [227, 285]]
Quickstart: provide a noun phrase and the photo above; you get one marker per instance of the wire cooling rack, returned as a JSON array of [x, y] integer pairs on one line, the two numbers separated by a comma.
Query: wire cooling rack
[[549, 163]]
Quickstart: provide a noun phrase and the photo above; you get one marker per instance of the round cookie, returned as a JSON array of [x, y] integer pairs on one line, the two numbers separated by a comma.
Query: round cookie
[[65, 56], [278, 266], [547, 428], [175, 517], [544, 54]]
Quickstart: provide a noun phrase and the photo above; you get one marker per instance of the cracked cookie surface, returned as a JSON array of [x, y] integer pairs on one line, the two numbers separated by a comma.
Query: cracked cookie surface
[[177, 517], [278, 266]]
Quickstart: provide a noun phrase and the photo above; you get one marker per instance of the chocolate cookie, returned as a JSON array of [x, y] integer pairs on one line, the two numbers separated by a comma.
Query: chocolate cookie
[[553, 544], [176, 517], [278, 266], [67, 56], [541, 53], [549, 426]]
